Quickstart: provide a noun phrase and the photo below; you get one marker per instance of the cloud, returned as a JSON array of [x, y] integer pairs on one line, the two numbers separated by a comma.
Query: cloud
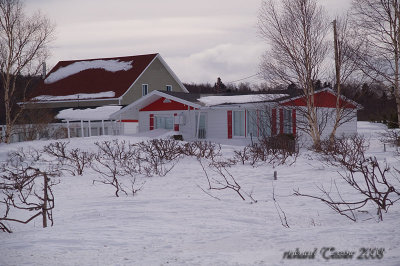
[[201, 40]]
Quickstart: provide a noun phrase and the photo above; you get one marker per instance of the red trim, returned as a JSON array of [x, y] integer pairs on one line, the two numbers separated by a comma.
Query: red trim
[[281, 121], [273, 122], [168, 105], [321, 99], [151, 121], [294, 121], [130, 121], [176, 126], [229, 124]]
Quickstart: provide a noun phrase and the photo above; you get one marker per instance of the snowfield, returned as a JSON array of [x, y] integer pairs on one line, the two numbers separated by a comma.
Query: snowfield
[[171, 221]]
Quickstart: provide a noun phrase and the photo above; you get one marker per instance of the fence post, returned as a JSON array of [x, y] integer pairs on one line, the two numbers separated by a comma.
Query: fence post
[[68, 130], [82, 131], [89, 128], [102, 126], [275, 175]]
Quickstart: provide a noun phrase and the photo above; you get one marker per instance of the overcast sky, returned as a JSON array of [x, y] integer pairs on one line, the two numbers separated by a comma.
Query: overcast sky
[[200, 40]]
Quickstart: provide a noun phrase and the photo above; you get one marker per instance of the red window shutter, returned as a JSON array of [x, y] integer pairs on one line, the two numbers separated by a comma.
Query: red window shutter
[[229, 124], [294, 121], [281, 121], [151, 121], [273, 122], [176, 126]]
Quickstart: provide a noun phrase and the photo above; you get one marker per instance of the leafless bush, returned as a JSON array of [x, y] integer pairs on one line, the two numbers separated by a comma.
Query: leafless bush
[[221, 178], [364, 174], [391, 136], [243, 155], [278, 150], [26, 182], [116, 163], [279, 210], [201, 149], [157, 156], [73, 161], [345, 151]]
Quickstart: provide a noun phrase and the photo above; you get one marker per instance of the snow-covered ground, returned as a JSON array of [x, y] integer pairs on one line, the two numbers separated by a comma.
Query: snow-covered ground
[[171, 221]]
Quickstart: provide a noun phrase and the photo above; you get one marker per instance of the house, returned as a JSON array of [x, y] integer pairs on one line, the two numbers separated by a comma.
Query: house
[[243, 117], [104, 81], [91, 83]]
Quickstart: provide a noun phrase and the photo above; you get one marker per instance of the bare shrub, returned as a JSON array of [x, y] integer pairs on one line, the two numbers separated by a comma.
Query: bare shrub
[[279, 210], [277, 150], [391, 136], [364, 174], [116, 164], [26, 183], [202, 149], [157, 156], [221, 178], [243, 155], [73, 161]]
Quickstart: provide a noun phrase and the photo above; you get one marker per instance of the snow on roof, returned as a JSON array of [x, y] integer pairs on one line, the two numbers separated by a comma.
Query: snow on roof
[[108, 65], [99, 113], [79, 96], [217, 100]]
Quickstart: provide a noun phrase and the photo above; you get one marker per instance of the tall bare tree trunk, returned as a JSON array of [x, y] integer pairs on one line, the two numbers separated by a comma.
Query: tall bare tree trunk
[[338, 82]]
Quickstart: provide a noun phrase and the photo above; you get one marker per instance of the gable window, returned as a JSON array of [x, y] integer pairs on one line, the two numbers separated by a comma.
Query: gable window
[[145, 89], [169, 87]]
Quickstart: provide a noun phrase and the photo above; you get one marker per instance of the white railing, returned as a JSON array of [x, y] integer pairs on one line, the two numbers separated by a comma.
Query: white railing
[[28, 132]]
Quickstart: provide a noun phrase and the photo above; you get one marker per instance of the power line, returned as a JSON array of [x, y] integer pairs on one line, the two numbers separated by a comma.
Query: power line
[[244, 78]]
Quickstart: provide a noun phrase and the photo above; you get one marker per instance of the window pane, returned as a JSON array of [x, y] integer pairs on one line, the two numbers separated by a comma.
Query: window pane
[[238, 123], [252, 123], [169, 122], [265, 123], [287, 129]]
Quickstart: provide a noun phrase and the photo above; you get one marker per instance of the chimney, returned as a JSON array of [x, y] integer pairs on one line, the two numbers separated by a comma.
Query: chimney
[[44, 70]]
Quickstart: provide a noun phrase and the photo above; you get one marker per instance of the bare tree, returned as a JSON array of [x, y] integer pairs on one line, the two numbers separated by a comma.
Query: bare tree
[[23, 48], [296, 31], [377, 40]]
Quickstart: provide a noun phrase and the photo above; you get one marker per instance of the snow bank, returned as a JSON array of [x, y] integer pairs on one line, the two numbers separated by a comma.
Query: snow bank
[[108, 65], [217, 100], [99, 113], [79, 96]]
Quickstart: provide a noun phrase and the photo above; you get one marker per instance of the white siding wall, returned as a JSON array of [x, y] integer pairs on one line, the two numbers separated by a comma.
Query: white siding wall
[[347, 128], [217, 124], [130, 127]]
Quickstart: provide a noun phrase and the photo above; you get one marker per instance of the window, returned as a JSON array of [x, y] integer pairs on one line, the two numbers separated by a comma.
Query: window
[[238, 123], [145, 89], [201, 126], [169, 87], [265, 122], [252, 128], [287, 122], [165, 122]]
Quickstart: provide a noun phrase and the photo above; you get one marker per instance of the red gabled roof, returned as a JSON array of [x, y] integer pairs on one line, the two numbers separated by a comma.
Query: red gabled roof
[[96, 80], [323, 98]]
